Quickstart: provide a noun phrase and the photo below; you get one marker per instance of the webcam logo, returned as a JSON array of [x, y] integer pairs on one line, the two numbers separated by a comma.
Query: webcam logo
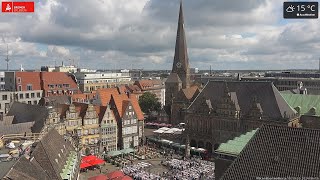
[[6, 6]]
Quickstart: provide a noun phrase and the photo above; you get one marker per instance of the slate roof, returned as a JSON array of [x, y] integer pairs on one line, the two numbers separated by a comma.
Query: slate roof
[[173, 78], [29, 113], [28, 170], [48, 150], [55, 100], [278, 151], [305, 102], [47, 159], [7, 120], [272, 103], [16, 128]]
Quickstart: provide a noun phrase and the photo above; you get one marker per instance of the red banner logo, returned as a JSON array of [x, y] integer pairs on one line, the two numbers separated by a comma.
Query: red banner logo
[[7, 6], [18, 6]]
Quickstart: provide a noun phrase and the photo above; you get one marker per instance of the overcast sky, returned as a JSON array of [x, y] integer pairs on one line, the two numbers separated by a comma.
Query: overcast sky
[[107, 34]]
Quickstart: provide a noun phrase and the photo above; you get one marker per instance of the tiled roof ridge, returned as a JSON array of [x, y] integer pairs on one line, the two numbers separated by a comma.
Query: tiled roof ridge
[[41, 143]]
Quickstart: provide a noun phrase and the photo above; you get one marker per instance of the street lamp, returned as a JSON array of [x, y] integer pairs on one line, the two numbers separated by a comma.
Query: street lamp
[[187, 132]]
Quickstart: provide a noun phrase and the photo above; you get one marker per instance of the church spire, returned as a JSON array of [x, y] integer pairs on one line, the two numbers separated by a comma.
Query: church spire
[[181, 60]]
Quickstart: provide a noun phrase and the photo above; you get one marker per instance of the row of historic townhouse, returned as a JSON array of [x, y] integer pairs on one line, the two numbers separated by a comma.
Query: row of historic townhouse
[[99, 129]]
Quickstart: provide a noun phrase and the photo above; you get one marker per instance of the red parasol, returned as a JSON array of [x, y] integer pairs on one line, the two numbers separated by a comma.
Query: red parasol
[[115, 174], [84, 165], [100, 177]]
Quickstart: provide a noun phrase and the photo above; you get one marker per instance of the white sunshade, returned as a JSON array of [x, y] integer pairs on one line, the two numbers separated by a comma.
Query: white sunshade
[[168, 132], [201, 149], [175, 129], [164, 129], [158, 131]]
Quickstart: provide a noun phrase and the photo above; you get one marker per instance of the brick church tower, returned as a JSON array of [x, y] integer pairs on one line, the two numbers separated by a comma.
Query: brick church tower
[[178, 82]]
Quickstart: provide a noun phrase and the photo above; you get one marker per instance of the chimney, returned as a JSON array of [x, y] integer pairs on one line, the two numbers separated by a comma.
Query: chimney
[[128, 94]]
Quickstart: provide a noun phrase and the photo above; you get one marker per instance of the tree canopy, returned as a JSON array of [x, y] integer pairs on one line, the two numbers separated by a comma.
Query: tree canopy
[[149, 102]]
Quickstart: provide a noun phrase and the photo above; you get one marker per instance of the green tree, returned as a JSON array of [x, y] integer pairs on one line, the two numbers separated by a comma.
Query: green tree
[[149, 102]]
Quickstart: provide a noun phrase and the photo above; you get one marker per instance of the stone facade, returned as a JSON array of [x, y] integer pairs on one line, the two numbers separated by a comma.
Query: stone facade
[[224, 110]]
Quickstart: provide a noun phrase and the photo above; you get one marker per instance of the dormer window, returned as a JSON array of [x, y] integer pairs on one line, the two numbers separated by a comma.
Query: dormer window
[[29, 87]]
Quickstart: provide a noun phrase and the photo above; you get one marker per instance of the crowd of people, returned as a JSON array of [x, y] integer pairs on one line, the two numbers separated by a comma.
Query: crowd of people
[[138, 172], [189, 169], [148, 152]]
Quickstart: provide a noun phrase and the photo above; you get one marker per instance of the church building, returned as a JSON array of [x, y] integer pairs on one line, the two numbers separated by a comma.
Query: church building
[[179, 90], [222, 110]]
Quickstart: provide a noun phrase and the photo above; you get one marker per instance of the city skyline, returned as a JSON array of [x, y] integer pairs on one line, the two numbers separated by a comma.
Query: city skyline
[[109, 34]]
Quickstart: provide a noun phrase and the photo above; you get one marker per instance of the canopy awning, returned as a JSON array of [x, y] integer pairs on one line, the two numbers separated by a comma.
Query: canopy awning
[[114, 153], [127, 151], [166, 141]]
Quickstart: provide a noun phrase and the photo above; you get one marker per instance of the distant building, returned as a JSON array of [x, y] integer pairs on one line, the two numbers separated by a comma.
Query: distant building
[[62, 68], [153, 86], [7, 98], [2, 82], [89, 82], [50, 83], [311, 85]]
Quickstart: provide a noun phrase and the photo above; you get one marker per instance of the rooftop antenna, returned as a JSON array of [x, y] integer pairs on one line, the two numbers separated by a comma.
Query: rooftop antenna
[[319, 64], [7, 58]]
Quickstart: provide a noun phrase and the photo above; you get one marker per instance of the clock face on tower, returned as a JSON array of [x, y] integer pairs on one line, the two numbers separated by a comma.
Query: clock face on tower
[[178, 65]]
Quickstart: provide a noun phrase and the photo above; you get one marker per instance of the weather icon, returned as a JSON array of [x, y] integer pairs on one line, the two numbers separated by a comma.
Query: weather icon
[[290, 9]]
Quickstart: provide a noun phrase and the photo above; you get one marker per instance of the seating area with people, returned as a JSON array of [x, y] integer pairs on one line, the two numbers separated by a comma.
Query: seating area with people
[[189, 169]]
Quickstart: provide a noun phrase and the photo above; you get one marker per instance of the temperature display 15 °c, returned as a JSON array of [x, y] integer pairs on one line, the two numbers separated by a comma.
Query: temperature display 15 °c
[[300, 10]]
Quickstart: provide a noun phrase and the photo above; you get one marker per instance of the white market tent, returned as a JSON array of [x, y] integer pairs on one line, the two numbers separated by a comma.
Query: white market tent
[[164, 128], [159, 131]]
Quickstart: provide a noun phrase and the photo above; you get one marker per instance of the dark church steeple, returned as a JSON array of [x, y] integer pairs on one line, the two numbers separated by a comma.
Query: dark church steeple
[[181, 60]]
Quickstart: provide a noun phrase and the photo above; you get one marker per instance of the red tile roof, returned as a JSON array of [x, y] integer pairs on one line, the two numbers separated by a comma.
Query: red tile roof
[[189, 92], [119, 102], [122, 101], [28, 78], [82, 97], [149, 84], [134, 88], [56, 78], [136, 107], [105, 95]]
